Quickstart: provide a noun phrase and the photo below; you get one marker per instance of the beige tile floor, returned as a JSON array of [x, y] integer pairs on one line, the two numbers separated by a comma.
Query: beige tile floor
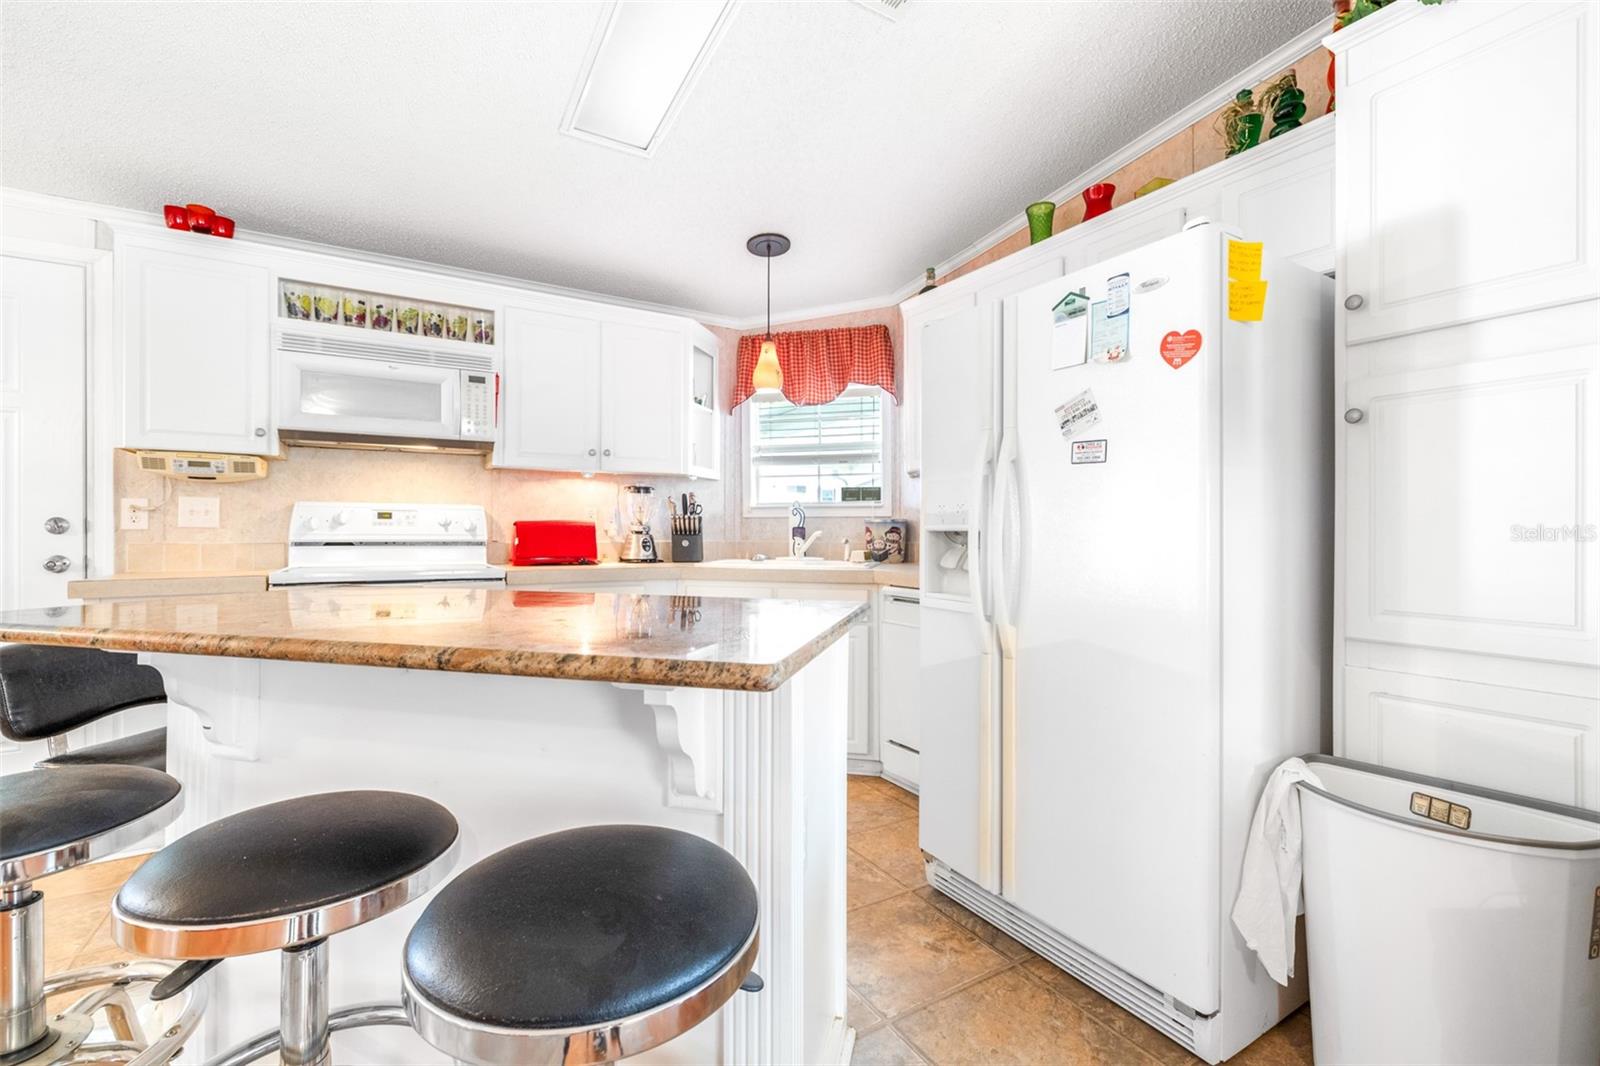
[[930, 982]]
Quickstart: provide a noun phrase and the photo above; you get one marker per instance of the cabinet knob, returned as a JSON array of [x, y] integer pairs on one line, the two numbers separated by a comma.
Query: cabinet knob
[[1354, 415], [1354, 302], [58, 564], [591, 452], [56, 524], [261, 431], [606, 452]]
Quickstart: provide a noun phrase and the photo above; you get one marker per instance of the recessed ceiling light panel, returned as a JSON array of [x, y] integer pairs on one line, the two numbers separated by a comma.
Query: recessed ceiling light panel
[[640, 68]]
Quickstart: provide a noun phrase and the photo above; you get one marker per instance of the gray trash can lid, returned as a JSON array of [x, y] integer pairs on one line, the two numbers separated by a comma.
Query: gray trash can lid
[[1490, 815]]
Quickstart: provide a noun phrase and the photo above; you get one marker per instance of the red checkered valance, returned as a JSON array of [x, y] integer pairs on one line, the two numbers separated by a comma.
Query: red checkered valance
[[818, 364]]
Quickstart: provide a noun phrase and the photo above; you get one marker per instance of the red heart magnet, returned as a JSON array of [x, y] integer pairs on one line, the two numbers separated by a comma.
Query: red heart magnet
[[1178, 348]]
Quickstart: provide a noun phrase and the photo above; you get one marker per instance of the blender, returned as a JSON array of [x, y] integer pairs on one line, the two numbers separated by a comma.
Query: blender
[[640, 547]]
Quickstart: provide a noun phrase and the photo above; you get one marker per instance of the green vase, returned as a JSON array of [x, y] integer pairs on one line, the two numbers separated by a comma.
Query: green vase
[[1041, 220]]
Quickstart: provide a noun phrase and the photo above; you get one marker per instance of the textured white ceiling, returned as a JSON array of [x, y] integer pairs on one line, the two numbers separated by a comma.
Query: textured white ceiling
[[429, 130]]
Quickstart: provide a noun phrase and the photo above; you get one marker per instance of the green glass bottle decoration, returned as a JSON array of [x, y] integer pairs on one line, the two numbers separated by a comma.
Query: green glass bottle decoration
[[1285, 101], [1242, 122]]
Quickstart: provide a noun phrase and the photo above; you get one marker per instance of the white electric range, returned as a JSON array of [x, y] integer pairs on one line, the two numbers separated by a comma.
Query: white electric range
[[388, 544]]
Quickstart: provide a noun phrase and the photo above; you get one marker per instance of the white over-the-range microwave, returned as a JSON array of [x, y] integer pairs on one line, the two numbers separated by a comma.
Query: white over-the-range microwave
[[364, 393]]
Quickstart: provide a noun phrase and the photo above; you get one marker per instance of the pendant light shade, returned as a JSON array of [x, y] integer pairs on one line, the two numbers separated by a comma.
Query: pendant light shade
[[767, 374]]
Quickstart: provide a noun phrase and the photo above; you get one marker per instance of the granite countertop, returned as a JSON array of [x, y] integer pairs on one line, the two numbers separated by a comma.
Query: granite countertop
[[201, 583], [700, 642]]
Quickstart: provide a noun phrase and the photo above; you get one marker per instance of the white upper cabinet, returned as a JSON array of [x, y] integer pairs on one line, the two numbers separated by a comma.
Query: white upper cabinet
[[1467, 163], [644, 385], [197, 369], [622, 397], [1470, 507], [552, 392], [1283, 196]]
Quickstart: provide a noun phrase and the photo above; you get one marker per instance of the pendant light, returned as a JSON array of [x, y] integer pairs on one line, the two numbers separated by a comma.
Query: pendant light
[[767, 373]]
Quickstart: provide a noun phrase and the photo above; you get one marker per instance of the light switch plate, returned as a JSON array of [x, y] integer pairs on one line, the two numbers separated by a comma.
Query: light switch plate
[[199, 512], [131, 514]]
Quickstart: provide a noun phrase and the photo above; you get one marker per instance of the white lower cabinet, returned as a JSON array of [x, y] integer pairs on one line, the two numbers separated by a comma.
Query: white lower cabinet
[[899, 667], [1538, 744]]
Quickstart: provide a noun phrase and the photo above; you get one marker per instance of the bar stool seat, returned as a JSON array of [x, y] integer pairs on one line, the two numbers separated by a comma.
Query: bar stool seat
[[54, 817], [51, 821], [147, 749], [580, 946], [284, 874]]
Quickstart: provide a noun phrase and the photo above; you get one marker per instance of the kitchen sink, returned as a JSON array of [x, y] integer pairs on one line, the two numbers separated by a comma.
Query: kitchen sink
[[788, 563]]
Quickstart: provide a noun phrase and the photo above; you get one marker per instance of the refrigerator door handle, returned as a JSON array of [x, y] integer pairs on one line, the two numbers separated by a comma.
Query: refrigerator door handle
[[1005, 482], [977, 546]]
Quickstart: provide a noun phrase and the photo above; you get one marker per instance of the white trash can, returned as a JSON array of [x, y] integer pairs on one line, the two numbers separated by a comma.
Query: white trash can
[[1432, 942]]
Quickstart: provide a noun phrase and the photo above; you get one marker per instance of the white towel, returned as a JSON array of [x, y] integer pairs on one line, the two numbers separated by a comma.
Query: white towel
[[1269, 886]]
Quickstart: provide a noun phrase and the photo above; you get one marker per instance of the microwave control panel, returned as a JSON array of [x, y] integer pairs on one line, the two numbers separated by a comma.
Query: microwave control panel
[[479, 398]]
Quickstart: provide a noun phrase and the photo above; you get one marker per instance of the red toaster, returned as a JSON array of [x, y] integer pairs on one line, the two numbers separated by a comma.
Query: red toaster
[[553, 543]]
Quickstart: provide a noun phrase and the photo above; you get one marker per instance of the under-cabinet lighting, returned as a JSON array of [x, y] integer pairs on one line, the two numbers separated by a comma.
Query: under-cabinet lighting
[[640, 68]]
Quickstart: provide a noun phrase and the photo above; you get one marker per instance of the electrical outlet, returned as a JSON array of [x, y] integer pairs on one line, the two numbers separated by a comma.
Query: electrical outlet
[[199, 512], [132, 514]]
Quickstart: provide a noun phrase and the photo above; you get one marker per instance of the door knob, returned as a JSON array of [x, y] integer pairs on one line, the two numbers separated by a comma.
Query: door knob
[[1354, 415], [260, 431], [1354, 301], [58, 564], [591, 451], [56, 524], [607, 452]]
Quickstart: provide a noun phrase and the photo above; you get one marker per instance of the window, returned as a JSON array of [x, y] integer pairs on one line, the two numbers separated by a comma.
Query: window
[[829, 456]]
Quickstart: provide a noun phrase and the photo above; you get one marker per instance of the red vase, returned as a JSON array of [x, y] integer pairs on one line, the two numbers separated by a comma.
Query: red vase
[[1097, 199]]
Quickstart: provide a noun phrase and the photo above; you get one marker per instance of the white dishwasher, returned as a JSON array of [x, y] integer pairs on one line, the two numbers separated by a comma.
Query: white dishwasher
[[899, 665]]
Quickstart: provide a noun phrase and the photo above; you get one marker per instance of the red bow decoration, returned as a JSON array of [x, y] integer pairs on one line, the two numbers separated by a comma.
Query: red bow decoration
[[198, 218]]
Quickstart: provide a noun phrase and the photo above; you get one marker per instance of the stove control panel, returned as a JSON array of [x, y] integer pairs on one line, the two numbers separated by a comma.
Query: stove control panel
[[377, 523]]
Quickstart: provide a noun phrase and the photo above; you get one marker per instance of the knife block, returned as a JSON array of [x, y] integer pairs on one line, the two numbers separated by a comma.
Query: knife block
[[687, 548]]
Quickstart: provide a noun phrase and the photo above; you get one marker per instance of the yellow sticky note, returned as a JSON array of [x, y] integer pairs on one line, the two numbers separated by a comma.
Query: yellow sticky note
[[1246, 300], [1244, 259]]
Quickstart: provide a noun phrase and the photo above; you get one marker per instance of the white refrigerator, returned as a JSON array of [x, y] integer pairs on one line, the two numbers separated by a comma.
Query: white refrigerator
[[1140, 628]]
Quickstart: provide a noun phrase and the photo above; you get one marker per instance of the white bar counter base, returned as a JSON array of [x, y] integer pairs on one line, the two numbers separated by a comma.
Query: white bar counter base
[[762, 773]]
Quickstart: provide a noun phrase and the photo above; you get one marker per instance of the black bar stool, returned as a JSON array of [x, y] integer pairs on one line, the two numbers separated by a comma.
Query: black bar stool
[[45, 691], [55, 820], [581, 947], [285, 877]]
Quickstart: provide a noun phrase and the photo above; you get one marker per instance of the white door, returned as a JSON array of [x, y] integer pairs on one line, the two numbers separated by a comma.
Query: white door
[[957, 415], [196, 350], [43, 476], [1483, 205], [643, 395], [1112, 738], [1472, 494], [552, 392], [958, 689]]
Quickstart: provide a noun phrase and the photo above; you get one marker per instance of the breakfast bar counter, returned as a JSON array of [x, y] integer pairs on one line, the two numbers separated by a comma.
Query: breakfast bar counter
[[524, 712]]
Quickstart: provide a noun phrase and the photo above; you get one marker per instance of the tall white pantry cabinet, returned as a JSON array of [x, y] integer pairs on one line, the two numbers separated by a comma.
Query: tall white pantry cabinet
[[1467, 172]]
